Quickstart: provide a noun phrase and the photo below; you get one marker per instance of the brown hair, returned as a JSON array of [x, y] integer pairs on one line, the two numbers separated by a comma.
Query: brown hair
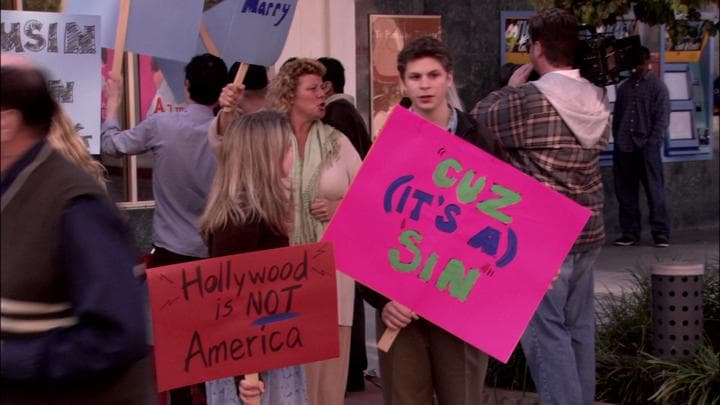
[[284, 85], [557, 31], [424, 47]]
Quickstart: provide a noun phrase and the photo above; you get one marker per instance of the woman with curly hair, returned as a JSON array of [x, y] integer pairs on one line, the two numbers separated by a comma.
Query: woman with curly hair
[[324, 166], [249, 208]]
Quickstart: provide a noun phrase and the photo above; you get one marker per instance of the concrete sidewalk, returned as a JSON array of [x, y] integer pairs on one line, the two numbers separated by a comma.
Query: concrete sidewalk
[[613, 274]]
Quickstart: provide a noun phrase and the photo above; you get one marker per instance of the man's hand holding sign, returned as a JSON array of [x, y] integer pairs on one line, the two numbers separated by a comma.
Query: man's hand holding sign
[[452, 234]]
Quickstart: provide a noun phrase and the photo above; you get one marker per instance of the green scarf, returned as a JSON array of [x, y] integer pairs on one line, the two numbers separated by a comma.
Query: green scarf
[[322, 149]]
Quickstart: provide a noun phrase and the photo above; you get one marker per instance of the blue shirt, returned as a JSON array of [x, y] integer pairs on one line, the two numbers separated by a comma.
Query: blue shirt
[[97, 264], [183, 171], [642, 113]]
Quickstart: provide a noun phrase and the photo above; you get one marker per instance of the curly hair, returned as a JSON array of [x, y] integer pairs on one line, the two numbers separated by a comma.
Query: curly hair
[[284, 86]]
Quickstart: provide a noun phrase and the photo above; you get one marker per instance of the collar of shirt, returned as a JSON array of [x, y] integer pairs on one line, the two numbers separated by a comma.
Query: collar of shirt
[[13, 171], [571, 73], [452, 123], [199, 109]]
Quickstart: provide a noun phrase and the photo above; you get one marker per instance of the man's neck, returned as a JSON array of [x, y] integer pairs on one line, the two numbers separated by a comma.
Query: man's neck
[[12, 151], [440, 116]]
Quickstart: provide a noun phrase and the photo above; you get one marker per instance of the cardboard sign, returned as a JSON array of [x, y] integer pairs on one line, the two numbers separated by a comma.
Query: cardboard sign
[[245, 313], [67, 48], [163, 28], [463, 239], [250, 31]]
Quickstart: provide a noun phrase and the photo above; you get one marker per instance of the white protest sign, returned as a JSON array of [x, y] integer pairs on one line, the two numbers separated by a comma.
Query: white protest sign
[[68, 48]]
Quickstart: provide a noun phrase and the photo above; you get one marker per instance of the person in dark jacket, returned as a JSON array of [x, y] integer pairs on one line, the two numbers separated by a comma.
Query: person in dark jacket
[[340, 111], [73, 319], [425, 360]]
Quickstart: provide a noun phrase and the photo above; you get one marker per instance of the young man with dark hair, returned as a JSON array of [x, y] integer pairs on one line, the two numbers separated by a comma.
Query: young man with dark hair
[[183, 167], [554, 129], [425, 361], [340, 111], [73, 319], [640, 121]]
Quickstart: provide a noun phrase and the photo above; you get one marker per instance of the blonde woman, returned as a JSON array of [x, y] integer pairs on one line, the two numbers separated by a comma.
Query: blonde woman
[[248, 209], [64, 138], [324, 166]]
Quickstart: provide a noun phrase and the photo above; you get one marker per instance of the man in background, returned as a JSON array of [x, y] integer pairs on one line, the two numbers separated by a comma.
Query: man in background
[[183, 168], [554, 129], [340, 111], [640, 121]]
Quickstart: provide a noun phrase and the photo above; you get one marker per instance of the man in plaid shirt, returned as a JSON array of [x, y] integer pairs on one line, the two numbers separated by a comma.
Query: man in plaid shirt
[[554, 130]]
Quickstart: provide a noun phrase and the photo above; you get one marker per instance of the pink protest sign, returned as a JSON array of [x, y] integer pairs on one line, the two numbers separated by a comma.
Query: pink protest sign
[[462, 238]]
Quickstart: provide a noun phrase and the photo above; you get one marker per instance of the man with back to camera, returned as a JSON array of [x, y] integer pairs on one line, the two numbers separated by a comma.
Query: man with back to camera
[[183, 167], [73, 319], [554, 130], [235, 101], [340, 111], [640, 120]]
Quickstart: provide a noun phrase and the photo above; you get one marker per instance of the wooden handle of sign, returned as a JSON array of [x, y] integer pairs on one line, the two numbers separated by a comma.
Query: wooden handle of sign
[[63, 5], [253, 378], [387, 339], [18, 5], [208, 42], [239, 77], [120, 35]]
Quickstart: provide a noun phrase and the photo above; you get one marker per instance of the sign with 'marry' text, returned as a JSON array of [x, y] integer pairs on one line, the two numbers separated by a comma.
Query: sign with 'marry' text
[[67, 47], [460, 237], [246, 313]]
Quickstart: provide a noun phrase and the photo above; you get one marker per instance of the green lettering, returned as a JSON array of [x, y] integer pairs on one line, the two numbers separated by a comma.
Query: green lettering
[[440, 176], [467, 192], [429, 267], [493, 205], [454, 275], [406, 239]]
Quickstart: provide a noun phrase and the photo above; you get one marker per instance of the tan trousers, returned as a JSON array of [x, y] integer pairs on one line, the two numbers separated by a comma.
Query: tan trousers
[[326, 380], [425, 359]]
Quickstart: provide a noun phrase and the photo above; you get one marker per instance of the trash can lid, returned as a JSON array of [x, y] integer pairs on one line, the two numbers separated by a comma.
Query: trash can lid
[[678, 269]]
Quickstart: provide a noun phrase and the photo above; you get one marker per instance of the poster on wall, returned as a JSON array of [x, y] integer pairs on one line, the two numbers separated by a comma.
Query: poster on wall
[[67, 47], [688, 48], [388, 35], [515, 36]]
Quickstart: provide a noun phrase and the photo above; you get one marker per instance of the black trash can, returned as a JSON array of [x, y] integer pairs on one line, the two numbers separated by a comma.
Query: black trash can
[[677, 316]]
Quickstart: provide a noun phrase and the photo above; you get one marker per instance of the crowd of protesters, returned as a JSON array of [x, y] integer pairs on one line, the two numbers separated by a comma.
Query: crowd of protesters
[[263, 165]]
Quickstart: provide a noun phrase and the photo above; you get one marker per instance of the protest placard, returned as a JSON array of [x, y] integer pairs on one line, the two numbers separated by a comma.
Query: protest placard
[[460, 237], [163, 28], [244, 313], [67, 47]]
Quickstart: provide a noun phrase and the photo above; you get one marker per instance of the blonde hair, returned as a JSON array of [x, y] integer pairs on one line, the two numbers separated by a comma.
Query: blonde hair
[[248, 184], [284, 85], [64, 138]]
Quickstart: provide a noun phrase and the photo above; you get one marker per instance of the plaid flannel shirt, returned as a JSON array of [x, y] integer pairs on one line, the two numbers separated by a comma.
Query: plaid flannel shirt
[[539, 143]]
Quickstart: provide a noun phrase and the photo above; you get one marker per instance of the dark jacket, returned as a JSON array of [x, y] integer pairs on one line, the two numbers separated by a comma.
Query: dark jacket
[[342, 115]]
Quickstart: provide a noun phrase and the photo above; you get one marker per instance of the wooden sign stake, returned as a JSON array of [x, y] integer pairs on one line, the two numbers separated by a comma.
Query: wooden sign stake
[[120, 35], [387, 339]]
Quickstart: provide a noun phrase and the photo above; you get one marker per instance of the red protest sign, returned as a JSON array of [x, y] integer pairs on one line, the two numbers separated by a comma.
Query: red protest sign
[[244, 313]]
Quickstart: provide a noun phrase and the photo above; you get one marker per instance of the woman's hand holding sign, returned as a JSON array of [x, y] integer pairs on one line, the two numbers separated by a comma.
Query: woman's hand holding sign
[[250, 391]]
